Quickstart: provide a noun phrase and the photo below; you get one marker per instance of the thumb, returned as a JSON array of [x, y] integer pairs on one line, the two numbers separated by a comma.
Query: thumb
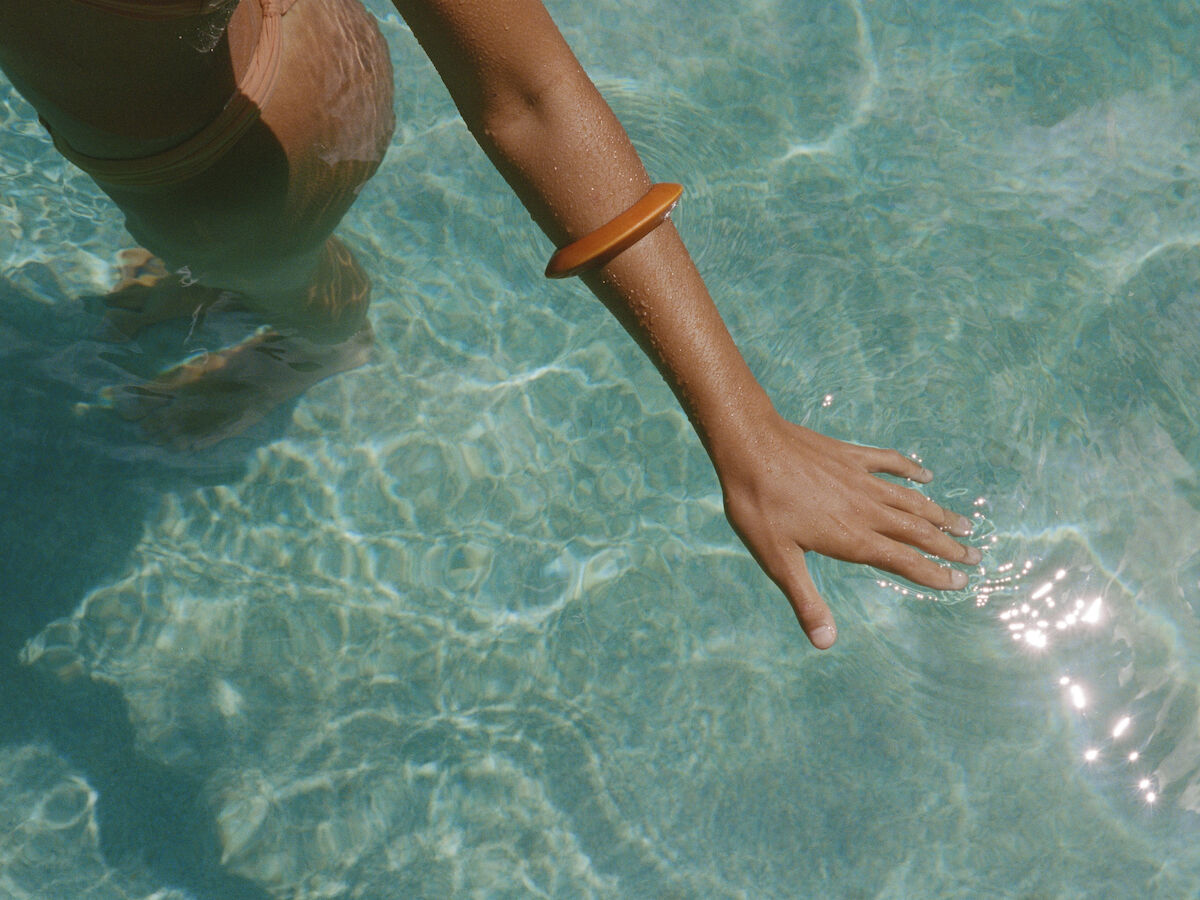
[[811, 611]]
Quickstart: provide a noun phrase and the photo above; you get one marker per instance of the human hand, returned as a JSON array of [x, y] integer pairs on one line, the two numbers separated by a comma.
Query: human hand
[[789, 490]]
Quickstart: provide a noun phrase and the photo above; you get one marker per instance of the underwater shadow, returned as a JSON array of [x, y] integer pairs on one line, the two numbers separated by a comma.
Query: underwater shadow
[[75, 490]]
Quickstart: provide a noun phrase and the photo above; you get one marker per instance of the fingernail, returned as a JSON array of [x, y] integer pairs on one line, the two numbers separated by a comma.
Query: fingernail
[[974, 555], [958, 579], [962, 527], [925, 476], [823, 637]]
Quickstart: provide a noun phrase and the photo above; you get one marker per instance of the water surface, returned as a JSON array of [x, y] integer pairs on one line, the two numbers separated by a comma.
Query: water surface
[[468, 621]]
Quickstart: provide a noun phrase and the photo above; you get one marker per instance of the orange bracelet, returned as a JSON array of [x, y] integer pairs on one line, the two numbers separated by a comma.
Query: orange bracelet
[[602, 245]]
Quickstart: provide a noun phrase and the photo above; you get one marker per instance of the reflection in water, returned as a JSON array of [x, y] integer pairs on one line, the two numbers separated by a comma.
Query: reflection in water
[[1121, 682]]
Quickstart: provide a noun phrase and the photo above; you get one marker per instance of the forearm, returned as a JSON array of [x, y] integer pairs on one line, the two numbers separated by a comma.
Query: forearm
[[546, 128], [574, 167], [656, 293]]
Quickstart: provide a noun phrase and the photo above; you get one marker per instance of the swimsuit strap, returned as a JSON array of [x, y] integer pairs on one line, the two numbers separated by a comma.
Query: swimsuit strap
[[154, 10], [203, 149]]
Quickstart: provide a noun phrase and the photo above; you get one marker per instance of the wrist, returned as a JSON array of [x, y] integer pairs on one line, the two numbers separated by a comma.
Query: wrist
[[733, 425]]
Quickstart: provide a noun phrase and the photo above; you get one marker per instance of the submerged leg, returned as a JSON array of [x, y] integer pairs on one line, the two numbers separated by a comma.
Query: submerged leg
[[217, 395], [146, 293], [255, 229]]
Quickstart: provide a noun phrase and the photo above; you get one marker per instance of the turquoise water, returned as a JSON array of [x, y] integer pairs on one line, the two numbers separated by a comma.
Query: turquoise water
[[468, 621]]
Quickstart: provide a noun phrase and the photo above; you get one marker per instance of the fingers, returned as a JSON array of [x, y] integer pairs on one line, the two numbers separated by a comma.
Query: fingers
[[893, 556], [924, 535], [893, 462], [811, 611], [910, 501]]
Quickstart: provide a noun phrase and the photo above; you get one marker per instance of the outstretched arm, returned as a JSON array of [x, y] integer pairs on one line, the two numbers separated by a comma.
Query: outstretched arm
[[787, 489]]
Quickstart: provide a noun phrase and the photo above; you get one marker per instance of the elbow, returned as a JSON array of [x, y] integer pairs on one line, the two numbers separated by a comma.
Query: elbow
[[521, 114]]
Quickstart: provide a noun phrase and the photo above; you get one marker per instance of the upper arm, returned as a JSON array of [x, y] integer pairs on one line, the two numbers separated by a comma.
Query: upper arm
[[495, 56], [532, 109]]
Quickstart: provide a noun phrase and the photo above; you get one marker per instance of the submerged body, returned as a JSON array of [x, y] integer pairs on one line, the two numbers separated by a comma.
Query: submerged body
[[283, 110], [255, 218]]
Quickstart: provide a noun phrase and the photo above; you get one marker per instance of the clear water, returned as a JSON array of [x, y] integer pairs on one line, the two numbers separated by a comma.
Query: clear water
[[468, 621]]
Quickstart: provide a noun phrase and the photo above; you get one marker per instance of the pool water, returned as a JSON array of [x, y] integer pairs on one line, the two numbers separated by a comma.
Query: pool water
[[468, 621]]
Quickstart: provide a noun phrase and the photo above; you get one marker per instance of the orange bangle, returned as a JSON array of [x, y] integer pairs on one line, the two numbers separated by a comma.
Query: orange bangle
[[602, 245]]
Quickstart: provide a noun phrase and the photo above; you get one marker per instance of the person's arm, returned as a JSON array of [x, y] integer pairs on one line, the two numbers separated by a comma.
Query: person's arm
[[787, 489]]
